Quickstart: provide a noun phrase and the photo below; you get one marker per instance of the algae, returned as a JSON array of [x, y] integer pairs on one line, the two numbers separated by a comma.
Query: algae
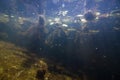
[[11, 66]]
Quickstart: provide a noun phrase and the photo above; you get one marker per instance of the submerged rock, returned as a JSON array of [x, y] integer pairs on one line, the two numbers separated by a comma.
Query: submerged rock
[[43, 68]]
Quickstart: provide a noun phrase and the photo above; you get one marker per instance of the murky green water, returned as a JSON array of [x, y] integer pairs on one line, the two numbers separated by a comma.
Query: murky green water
[[59, 40]]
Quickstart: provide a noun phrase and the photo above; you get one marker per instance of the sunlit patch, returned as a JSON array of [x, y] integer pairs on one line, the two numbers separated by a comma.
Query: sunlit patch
[[57, 19], [97, 18], [33, 13], [20, 20], [94, 31], [116, 28], [104, 56], [12, 16], [6, 15], [71, 29], [19, 17], [63, 13], [50, 20], [51, 23], [63, 5], [96, 48], [83, 20], [65, 20], [97, 13], [64, 25], [80, 15]]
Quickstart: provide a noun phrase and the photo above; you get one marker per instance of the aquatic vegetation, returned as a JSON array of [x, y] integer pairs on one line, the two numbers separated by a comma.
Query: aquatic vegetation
[[59, 39], [12, 59], [4, 18]]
